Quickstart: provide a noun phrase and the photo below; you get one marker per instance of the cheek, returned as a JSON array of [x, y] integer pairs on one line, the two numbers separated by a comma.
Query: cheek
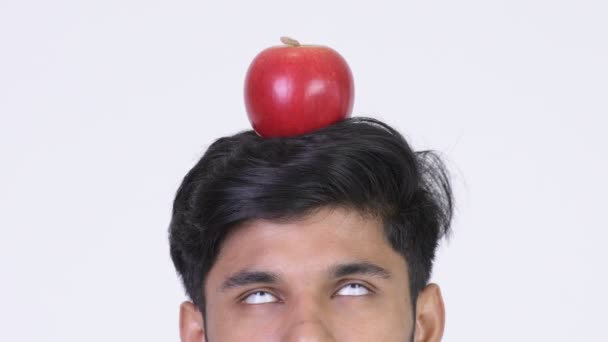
[[235, 323], [368, 319], [345, 319]]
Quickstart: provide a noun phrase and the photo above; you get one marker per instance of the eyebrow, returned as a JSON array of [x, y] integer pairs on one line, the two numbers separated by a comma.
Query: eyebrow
[[244, 278], [359, 268], [247, 277]]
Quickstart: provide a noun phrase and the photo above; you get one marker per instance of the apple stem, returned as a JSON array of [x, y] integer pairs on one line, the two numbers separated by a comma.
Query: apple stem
[[290, 41]]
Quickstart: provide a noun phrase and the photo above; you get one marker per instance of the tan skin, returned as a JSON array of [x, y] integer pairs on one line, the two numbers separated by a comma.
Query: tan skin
[[329, 277]]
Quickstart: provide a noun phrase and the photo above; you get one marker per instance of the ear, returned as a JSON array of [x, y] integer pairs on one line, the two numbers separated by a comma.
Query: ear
[[430, 315], [191, 324]]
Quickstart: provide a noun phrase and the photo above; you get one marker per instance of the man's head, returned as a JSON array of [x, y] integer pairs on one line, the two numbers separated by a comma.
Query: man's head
[[325, 236]]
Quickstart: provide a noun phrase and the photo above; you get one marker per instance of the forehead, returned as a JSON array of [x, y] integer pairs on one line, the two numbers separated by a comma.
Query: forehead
[[311, 244]]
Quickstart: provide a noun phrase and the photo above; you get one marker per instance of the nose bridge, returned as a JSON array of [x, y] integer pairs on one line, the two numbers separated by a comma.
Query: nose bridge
[[307, 321]]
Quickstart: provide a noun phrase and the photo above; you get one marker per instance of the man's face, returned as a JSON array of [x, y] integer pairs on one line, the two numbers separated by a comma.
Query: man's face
[[329, 277]]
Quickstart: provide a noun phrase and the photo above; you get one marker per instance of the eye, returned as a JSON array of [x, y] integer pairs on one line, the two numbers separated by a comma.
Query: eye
[[353, 289], [260, 297]]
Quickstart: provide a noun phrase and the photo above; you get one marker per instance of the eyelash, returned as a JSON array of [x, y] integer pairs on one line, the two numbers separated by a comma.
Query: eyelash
[[268, 291], [349, 283], [367, 287]]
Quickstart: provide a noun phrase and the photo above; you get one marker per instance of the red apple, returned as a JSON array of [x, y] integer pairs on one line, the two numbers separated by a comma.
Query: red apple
[[296, 89]]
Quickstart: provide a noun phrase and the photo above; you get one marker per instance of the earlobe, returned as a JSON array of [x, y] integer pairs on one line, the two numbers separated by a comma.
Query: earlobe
[[191, 324], [430, 314]]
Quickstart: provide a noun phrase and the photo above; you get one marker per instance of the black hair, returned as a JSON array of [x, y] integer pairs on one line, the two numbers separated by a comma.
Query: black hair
[[358, 163]]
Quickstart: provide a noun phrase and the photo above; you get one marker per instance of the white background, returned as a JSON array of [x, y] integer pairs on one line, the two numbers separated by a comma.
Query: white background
[[105, 105]]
